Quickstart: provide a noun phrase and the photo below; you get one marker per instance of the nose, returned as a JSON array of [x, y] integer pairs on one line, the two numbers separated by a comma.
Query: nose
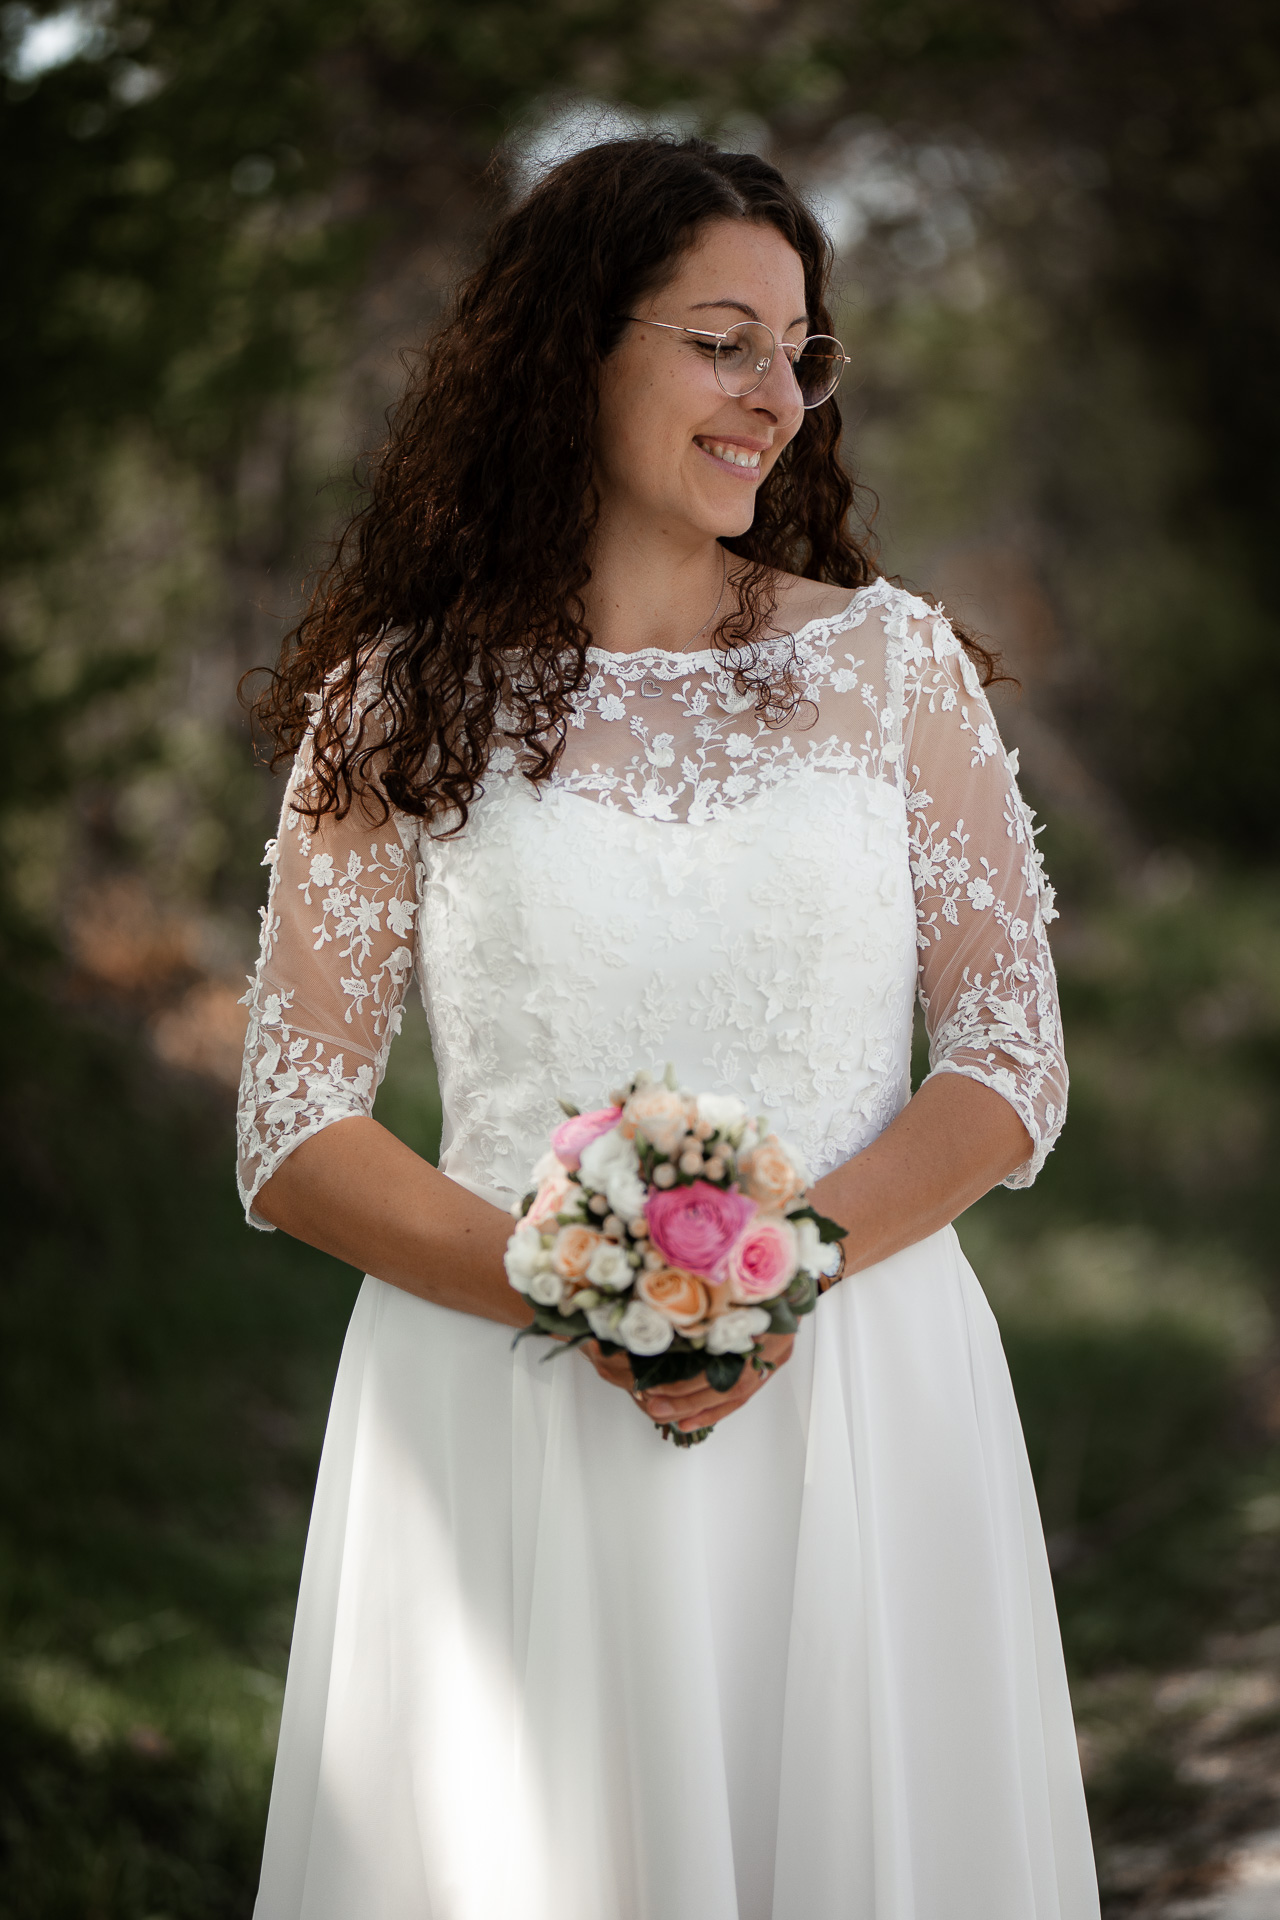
[[779, 391]]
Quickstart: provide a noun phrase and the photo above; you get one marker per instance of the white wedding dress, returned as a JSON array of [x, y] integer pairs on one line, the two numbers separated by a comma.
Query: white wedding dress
[[545, 1665]]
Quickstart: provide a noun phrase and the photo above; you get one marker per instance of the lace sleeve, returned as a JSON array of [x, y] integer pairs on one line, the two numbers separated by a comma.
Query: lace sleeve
[[987, 983], [335, 960]]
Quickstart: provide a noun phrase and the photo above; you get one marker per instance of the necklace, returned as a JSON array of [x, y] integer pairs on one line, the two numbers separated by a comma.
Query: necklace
[[724, 581]]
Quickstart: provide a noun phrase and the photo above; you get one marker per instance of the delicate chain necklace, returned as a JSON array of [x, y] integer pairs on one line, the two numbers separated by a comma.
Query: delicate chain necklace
[[724, 580]]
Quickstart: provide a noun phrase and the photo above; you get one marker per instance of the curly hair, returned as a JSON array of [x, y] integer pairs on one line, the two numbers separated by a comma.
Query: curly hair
[[458, 582]]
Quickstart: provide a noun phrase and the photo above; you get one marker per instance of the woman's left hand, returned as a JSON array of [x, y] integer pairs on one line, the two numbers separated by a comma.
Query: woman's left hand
[[690, 1404]]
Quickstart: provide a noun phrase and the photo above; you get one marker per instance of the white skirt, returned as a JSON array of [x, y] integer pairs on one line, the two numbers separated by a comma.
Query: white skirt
[[547, 1666]]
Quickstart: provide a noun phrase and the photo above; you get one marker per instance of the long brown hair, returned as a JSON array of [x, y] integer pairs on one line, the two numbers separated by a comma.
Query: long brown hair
[[459, 580]]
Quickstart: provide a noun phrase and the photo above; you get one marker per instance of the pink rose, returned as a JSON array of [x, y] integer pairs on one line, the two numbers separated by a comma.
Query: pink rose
[[763, 1261], [695, 1226], [572, 1135]]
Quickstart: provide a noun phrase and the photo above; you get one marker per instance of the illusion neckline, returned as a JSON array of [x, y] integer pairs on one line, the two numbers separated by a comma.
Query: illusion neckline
[[713, 656]]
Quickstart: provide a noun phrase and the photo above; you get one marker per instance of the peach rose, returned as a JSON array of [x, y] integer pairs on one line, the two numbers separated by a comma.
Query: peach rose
[[571, 1254], [660, 1115], [770, 1176], [675, 1291], [551, 1198]]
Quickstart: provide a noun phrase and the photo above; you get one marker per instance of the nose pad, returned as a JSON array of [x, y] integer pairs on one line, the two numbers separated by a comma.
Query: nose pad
[[791, 399]]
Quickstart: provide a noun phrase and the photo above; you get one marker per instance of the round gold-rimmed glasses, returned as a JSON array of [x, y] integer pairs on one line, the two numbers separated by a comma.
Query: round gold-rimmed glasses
[[743, 354]]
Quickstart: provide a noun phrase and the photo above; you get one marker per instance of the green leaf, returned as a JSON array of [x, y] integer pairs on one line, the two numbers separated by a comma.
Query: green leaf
[[723, 1370], [567, 1346], [781, 1317], [802, 1295], [660, 1369]]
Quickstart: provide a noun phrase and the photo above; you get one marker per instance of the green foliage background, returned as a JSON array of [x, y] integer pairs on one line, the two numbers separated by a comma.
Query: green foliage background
[[223, 223]]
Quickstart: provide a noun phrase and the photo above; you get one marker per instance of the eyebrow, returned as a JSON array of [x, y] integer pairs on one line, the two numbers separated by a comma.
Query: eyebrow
[[740, 306]]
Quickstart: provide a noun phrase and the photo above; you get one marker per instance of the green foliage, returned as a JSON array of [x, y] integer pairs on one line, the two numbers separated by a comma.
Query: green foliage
[[163, 1380], [119, 1832], [164, 231]]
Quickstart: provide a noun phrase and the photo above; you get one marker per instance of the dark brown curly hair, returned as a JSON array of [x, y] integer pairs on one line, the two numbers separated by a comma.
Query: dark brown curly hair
[[459, 580]]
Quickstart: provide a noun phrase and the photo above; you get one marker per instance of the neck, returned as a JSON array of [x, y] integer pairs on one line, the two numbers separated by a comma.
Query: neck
[[652, 589]]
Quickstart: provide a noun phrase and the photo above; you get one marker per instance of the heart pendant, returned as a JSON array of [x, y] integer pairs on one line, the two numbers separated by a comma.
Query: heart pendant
[[650, 689]]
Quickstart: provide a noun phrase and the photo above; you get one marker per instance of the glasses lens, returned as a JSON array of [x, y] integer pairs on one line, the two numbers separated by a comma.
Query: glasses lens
[[743, 357], [818, 369]]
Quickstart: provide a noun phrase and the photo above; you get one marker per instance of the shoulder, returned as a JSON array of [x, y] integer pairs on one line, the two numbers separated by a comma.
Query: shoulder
[[921, 628], [800, 601]]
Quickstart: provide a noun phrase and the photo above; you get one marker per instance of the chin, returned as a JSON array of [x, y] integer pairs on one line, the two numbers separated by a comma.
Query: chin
[[729, 523]]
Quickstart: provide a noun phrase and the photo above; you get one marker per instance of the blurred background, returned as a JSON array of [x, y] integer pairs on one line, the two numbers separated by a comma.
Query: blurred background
[[225, 223]]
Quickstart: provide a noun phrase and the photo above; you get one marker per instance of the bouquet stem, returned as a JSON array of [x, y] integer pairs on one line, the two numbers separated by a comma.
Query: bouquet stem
[[680, 1439]]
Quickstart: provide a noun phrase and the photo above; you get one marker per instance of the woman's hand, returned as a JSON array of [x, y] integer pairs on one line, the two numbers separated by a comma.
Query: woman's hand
[[690, 1404]]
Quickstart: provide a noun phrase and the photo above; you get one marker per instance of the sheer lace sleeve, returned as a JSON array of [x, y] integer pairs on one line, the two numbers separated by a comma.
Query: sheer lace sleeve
[[987, 983], [335, 960]]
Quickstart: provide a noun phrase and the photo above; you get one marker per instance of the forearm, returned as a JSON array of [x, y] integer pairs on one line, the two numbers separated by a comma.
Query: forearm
[[952, 1143], [357, 1192]]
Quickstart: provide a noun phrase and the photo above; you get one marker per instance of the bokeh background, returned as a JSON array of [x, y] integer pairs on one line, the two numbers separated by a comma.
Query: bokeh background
[[225, 223]]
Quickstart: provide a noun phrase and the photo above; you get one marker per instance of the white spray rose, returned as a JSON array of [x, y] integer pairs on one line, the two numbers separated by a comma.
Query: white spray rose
[[546, 1287], [737, 1330], [603, 1320], [723, 1112], [626, 1194], [609, 1268], [525, 1258], [815, 1256], [609, 1153], [642, 1329]]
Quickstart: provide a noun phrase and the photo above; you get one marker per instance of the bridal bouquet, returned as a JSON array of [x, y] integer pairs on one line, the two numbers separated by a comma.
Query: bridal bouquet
[[672, 1225]]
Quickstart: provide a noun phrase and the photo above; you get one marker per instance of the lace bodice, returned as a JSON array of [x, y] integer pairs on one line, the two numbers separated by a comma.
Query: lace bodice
[[757, 904]]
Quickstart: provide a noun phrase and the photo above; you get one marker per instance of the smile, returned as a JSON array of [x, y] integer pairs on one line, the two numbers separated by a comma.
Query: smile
[[747, 459]]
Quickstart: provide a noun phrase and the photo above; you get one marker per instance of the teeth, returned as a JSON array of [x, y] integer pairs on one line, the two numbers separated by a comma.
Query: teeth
[[736, 456]]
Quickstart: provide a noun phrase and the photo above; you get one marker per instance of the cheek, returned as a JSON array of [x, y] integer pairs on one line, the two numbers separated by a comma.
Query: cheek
[[649, 414]]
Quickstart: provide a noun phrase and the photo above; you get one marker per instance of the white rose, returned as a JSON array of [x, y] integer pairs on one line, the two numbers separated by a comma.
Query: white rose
[[546, 1287], [626, 1194], [815, 1255], [525, 1258], [546, 1167], [609, 1268], [642, 1329], [603, 1320], [607, 1154], [723, 1112], [737, 1330]]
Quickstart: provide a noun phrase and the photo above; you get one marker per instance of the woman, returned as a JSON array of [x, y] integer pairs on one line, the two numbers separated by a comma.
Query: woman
[[609, 731]]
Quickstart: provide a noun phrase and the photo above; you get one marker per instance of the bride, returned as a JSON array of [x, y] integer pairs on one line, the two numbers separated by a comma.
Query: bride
[[608, 731]]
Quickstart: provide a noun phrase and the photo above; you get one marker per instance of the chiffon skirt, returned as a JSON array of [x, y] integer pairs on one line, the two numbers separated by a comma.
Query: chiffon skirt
[[548, 1667]]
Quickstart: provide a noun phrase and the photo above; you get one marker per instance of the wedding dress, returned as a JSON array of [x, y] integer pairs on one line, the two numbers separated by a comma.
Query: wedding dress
[[545, 1665]]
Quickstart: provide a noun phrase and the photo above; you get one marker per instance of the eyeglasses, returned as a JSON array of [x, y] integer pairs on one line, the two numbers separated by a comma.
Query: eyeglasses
[[743, 354]]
